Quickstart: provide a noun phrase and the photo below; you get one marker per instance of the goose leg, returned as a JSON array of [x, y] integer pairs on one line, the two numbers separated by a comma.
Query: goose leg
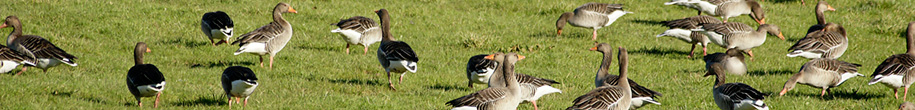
[[220, 42], [157, 100], [23, 70], [347, 48], [401, 77], [390, 83], [262, 60], [535, 105], [236, 100], [365, 50], [896, 93], [691, 50], [594, 35], [246, 102], [470, 84], [139, 103], [906, 93], [700, 13], [824, 92], [271, 62], [230, 100], [704, 51], [213, 43]]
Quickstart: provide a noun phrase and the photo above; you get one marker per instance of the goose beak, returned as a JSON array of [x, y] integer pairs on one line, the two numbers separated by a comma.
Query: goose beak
[[762, 21], [785, 90], [829, 8], [521, 57], [148, 50], [780, 36], [4, 25], [489, 57], [593, 48], [559, 32], [291, 10]]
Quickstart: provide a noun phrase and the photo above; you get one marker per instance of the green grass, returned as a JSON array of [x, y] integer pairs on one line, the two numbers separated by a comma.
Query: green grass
[[313, 73]]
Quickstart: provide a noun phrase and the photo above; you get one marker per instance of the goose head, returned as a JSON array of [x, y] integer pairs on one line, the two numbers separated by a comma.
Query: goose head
[[283, 8], [772, 30], [562, 21]]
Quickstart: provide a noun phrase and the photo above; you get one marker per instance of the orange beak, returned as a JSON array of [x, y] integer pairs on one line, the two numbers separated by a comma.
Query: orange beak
[[148, 50], [785, 90], [780, 36], [291, 10], [593, 48], [559, 32], [521, 57], [4, 25], [489, 57], [829, 8], [762, 21]]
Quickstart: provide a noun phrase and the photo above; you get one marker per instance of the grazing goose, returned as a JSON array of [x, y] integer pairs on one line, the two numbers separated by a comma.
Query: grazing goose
[[43, 51], [479, 70], [640, 95], [268, 39], [680, 29], [591, 15], [827, 43], [144, 80], [739, 35], [820, 9], [394, 56], [358, 30], [735, 96], [822, 73], [614, 97], [731, 61], [726, 8], [505, 92], [9, 59], [898, 71], [217, 25], [238, 82], [907, 106]]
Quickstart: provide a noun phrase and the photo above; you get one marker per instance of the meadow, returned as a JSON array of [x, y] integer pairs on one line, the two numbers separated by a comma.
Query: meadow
[[313, 72]]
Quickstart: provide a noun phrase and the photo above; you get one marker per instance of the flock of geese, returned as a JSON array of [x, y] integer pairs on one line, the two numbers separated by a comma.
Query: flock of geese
[[823, 44]]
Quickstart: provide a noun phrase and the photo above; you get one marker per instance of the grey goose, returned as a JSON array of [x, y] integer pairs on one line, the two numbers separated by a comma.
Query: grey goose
[[268, 39], [826, 43], [479, 70], [358, 30], [641, 95], [10, 59], [822, 73], [591, 15], [505, 92], [732, 61], [739, 35], [614, 97], [898, 71], [682, 29], [394, 56], [144, 80], [726, 8], [45, 53]]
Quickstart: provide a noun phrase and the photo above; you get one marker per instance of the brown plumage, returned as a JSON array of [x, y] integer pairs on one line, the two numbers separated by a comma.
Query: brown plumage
[[35, 47], [898, 71], [608, 97], [826, 43], [268, 39], [591, 15], [681, 29], [359, 30], [822, 73]]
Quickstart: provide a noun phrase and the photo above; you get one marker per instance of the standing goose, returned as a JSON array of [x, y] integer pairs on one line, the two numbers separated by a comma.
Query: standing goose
[[9, 59], [681, 29], [822, 73], [726, 8], [820, 9], [739, 35], [358, 30], [217, 25], [640, 95], [735, 96], [394, 56], [238, 82], [614, 97], [898, 71], [827, 43], [731, 61], [144, 80], [591, 15], [268, 39], [480, 69], [505, 92], [43, 51]]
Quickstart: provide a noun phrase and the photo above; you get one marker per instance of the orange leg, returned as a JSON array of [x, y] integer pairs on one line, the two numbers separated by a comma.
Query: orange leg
[[347, 48], [896, 93], [271, 62], [230, 100], [535, 105], [23, 70], [157, 100], [262, 60], [365, 50], [594, 35], [390, 83], [246, 102], [691, 50]]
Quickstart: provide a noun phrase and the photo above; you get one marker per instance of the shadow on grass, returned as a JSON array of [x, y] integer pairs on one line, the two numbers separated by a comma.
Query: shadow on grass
[[341, 47], [793, 39], [447, 87], [185, 42], [664, 51], [770, 72], [649, 22], [814, 2], [837, 94], [205, 101], [69, 94], [223, 64], [357, 81], [566, 33]]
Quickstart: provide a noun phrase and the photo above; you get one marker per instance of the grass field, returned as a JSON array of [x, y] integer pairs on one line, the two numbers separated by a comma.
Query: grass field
[[313, 72]]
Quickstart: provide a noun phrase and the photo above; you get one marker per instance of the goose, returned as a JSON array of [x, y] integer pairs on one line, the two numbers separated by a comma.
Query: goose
[[898, 71], [827, 43], [822, 73], [725, 8], [45, 53], [10, 59], [505, 92], [479, 70], [819, 11], [735, 96], [394, 56], [739, 35], [217, 25], [144, 80], [907, 106], [268, 39], [732, 61], [591, 15], [680, 29], [238, 82], [358, 30], [641, 96], [615, 97]]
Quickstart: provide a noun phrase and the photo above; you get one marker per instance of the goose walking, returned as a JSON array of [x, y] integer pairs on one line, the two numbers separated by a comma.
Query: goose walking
[[822, 73], [359, 30], [45, 53], [732, 61], [10, 59], [898, 71], [238, 82], [681, 29], [144, 80], [591, 15], [739, 35], [614, 97], [217, 25], [641, 96], [735, 96], [479, 70], [725, 8], [394, 56], [268, 39], [505, 92], [827, 43]]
